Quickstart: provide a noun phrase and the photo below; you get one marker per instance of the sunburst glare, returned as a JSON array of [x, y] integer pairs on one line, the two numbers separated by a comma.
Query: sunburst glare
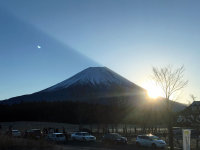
[[153, 90]]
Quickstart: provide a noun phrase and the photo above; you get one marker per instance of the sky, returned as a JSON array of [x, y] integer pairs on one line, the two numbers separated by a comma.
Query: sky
[[43, 42]]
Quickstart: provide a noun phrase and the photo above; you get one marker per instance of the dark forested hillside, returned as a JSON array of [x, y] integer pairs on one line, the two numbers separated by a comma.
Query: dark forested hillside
[[82, 113]]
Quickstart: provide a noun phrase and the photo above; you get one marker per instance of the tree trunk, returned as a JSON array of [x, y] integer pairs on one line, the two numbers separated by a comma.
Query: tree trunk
[[171, 138], [116, 128], [170, 124], [197, 144], [197, 139], [112, 128], [98, 129], [91, 128], [135, 129]]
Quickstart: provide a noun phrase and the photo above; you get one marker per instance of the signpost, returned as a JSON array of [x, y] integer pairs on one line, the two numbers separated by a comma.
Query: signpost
[[186, 139]]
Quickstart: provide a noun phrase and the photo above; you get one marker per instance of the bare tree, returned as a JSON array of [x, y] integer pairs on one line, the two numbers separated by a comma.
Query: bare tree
[[171, 81], [192, 99]]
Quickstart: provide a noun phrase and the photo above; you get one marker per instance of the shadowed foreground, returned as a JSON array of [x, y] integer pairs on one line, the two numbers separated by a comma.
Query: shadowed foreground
[[8, 143]]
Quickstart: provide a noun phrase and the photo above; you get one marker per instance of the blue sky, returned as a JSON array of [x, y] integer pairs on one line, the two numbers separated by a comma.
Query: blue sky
[[128, 36]]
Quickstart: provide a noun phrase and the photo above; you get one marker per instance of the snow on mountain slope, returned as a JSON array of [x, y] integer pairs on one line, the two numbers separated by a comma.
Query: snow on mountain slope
[[98, 85], [94, 76]]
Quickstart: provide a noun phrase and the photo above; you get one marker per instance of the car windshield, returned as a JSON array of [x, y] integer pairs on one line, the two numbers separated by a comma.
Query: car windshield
[[116, 135], [154, 138], [60, 135], [86, 134]]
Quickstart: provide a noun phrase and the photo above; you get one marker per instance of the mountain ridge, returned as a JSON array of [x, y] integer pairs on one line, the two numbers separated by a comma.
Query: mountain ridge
[[92, 85], [95, 76]]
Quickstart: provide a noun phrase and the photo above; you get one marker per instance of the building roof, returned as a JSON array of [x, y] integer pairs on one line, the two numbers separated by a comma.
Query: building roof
[[196, 103]]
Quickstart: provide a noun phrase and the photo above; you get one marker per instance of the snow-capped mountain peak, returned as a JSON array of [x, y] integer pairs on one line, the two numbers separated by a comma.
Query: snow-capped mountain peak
[[94, 76]]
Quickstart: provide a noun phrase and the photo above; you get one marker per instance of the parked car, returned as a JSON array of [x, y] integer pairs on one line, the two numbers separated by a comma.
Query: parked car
[[83, 136], [56, 137], [150, 140], [114, 138], [15, 133], [33, 133]]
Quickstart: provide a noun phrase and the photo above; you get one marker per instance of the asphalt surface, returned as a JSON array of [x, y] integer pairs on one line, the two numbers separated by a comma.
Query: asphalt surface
[[74, 145]]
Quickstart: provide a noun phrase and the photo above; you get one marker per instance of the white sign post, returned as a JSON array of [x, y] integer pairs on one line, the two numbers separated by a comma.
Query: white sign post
[[186, 139]]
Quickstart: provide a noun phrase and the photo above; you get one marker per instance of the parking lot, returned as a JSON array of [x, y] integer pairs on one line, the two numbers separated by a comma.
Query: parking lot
[[75, 145], [72, 145]]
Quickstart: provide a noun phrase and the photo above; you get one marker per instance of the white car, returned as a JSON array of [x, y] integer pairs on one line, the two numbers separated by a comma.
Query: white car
[[56, 137], [16, 133], [83, 136], [150, 140]]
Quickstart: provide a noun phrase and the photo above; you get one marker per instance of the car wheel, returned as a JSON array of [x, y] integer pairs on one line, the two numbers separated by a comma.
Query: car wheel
[[138, 144], [154, 146]]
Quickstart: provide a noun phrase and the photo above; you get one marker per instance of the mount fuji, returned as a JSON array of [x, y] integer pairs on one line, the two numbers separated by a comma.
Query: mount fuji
[[95, 77], [93, 85]]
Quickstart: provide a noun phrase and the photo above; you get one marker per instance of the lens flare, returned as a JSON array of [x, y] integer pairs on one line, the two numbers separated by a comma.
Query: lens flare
[[152, 89]]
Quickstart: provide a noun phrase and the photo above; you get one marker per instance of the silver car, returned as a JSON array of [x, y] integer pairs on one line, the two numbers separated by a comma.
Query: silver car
[[83, 136], [150, 140]]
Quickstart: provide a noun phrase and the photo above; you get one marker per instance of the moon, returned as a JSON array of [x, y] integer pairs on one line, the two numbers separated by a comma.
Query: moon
[[38, 46]]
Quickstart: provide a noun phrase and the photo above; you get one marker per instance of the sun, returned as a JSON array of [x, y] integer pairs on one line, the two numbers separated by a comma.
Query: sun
[[153, 92], [152, 89]]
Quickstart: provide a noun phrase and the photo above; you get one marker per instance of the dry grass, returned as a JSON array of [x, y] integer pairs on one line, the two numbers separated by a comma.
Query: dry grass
[[8, 143]]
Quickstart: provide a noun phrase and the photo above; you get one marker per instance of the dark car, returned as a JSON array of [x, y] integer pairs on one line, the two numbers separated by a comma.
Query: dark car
[[33, 133], [114, 138]]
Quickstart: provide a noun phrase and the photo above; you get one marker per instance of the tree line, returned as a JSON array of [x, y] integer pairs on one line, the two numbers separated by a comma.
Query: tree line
[[83, 113]]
